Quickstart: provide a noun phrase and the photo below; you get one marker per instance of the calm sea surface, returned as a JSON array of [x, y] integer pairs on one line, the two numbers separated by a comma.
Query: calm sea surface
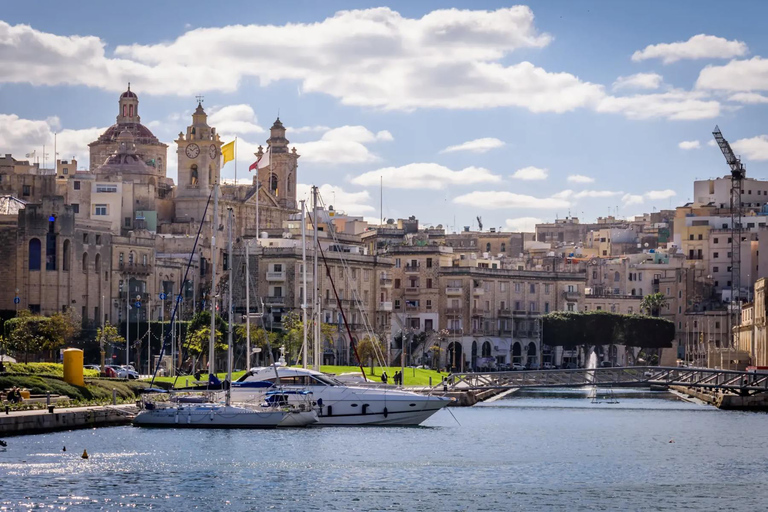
[[553, 450]]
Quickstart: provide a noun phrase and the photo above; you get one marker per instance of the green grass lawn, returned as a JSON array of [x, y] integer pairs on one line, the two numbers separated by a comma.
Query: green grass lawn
[[412, 376]]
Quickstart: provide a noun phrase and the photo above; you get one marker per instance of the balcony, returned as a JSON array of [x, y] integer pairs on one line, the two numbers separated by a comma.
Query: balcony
[[505, 312], [479, 312], [277, 276], [453, 290], [385, 306], [385, 282], [571, 295], [411, 307], [453, 311], [478, 291], [135, 268], [274, 301], [412, 269], [412, 290]]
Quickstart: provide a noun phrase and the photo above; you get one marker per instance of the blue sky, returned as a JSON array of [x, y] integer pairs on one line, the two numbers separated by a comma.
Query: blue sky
[[532, 91]]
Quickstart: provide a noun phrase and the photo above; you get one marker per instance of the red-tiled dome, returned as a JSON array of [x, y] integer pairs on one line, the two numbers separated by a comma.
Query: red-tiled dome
[[141, 134]]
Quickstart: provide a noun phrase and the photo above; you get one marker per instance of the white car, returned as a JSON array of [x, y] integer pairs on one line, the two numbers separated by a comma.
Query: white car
[[518, 366], [122, 372]]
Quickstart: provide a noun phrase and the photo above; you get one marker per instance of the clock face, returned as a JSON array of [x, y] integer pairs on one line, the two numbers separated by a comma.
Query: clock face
[[193, 150], [212, 151]]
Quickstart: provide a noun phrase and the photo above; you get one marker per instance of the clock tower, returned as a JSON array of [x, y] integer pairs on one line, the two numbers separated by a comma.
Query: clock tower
[[199, 157], [199, 166]]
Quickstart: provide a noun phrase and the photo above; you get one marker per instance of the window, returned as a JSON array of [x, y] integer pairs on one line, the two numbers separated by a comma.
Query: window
[[546, 289], [517, 287], [570, 306], [429, 262], [26, 190], [428, 325], [617, 276], [34, 254], [98, 239], [100, 209], [503, 247], [76, 185], [518, 307], [144, 259], [546, 307], [700, 237], [75, 208], [130, 258], [690, 237], [278, 267], [127, 222], [397, 262], [429, 283], [716, 240], [397, 303], [715, 269], [488, 247], [532, 307], [85, 262], [397, 284], [65, 257], [278, 289], [97, 265], [532, 288], [106, 188]]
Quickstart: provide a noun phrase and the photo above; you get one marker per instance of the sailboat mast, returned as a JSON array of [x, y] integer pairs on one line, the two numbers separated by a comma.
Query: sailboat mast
[[303, 285], [230, 320], [316, 294], [214, 228], [247, 311]]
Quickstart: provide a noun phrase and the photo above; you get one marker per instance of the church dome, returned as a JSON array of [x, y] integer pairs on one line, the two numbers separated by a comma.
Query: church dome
[[141, 134], [128, 93], [124, 160]]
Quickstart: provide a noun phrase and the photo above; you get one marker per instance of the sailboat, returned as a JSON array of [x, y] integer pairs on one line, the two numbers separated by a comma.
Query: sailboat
[[204, 412], [338, 403]]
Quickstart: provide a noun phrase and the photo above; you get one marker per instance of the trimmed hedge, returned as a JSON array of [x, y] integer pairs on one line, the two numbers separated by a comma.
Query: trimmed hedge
[[94, 389], [49, 369], [573, 329]]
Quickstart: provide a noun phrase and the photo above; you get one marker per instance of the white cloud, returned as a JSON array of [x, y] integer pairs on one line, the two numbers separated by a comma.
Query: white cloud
[[527, 224], [352, 203], [675, 104], [580, 178], [530, 173], [754, 148], [307, 129], [425, 175], [20, 136], [563, 194], [689, 144], [595, 194], [234, 120], [630, 199], [748, 97], [343, 145], [498, 200], [737, 75], [712, 143], [700, 46], [655, 195], [652, 195], [638, 81], [476, 146]]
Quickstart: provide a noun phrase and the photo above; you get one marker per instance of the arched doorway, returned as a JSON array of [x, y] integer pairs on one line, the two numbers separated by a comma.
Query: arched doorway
[[517, 352], [532, 355], [473, 362], [454, 357], [486, 349]]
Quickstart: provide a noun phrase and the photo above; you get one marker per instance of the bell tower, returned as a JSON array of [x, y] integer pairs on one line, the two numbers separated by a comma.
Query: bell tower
[[199, 156], [129, 107], [279, 178]]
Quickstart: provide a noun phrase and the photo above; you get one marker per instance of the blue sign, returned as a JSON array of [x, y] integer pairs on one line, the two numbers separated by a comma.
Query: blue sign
[[163, 296], [16, 300], [138, 304]]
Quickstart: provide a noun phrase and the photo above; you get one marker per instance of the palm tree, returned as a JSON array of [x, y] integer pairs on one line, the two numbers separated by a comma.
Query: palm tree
[[653, 303]]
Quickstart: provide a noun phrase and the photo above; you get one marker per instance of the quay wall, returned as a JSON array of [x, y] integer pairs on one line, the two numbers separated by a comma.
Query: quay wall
[[728, 401], [40, 421]]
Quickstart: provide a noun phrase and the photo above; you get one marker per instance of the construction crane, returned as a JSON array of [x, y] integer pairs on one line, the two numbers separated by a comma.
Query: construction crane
[[738, 173]]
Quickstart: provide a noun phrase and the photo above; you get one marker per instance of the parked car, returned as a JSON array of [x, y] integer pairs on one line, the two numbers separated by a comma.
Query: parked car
[[92, 367], [517, 366], [122, 372], [548, 366]]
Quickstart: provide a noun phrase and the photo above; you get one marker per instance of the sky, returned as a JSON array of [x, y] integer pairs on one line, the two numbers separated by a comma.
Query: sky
[[516, 113]]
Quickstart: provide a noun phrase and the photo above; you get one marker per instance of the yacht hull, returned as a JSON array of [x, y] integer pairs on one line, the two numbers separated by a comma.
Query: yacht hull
[[216, 416]]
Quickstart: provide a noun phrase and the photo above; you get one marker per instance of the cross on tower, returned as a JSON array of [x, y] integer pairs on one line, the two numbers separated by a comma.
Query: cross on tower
[[199, 99]]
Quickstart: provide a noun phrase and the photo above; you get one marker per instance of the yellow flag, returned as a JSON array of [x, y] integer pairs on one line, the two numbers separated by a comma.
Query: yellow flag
[[228, 152]]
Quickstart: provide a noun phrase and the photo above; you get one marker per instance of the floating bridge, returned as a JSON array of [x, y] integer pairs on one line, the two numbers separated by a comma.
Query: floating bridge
[[741, 382]]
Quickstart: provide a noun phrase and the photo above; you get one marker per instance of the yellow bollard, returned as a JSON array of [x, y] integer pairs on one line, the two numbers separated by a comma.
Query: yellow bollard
[[73, 366]]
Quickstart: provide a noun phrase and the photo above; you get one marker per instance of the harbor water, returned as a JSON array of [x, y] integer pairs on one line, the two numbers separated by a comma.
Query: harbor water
[[546, 450]]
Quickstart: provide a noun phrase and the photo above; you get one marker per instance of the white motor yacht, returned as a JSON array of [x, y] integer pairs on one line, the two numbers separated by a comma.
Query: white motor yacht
[[339, 403], [214, 415]]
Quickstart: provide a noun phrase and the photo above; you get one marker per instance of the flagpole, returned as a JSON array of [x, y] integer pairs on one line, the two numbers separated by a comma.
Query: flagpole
[[235, 166]]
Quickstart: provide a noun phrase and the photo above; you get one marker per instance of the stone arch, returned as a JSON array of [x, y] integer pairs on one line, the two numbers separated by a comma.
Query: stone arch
[[273, 183], [486, 350], [517, 352], [454, 356], [193, 176], [34, 254], [488, 247], [474, 354], [532, 353]]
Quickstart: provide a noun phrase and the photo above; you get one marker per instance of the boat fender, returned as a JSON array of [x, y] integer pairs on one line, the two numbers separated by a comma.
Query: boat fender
[[330, 410], [386, 412], [365, 408]]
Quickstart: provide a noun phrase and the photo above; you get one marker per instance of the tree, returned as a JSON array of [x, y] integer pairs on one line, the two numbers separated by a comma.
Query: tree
[[260, 337], [197, 341], [653, 303], [293, 334], [369, 349]]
